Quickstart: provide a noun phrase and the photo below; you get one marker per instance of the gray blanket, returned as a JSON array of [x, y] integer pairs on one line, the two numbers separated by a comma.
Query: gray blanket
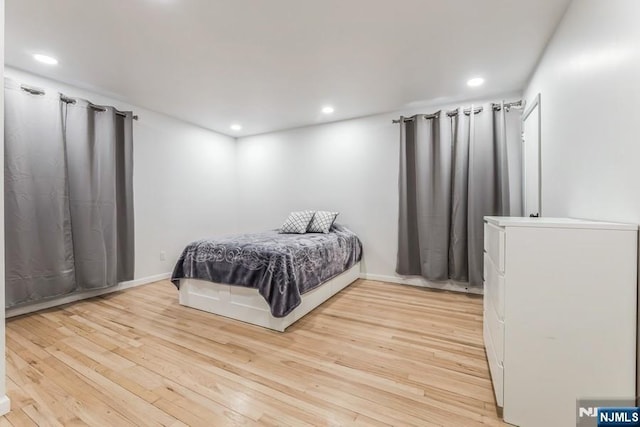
[[281, 266]]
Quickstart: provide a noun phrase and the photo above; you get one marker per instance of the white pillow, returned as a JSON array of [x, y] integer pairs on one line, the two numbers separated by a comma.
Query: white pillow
[[297, 222], [322, 222]]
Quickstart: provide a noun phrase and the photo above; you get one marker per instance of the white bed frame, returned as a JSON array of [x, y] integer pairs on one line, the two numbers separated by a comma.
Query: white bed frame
[[247, 305]]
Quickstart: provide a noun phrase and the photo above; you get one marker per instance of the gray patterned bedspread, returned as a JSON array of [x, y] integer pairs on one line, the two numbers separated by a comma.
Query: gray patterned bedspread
[[281, 266]]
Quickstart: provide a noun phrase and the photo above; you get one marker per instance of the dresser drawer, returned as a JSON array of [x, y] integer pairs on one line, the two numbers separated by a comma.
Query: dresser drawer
[[495, 367], [494, 244], [496, 329], [494, 286]]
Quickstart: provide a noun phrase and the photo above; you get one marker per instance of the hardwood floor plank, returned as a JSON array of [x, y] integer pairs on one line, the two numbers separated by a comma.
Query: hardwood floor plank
[[93, 405], [376, 354], [18, 418]]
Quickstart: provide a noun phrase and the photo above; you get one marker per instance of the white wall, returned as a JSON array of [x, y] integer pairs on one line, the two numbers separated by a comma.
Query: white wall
[[4, 400], [589, 80], [184, 180], [349, 166]]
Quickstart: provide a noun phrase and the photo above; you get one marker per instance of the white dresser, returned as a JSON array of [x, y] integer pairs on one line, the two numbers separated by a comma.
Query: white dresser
[[559, 315]]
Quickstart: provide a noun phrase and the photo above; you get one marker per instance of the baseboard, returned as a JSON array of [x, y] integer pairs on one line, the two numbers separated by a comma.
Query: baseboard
[[12, 312], [142, 281], [449, 285], [5, 405]]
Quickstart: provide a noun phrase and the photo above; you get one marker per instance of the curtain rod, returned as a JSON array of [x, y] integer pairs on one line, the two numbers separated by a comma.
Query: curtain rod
[[452, 113], [517, 105], [68, 100]]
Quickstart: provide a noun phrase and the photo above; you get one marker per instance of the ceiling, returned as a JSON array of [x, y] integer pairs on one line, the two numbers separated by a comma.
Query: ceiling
[[274, 64]]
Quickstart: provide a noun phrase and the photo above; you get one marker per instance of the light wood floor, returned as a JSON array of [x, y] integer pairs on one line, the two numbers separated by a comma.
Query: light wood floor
[[375, 354]]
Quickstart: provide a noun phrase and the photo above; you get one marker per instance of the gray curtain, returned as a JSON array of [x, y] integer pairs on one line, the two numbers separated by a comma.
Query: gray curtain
[[39, 260], [453, 172], [461, 142], [99, 152], [425, 176], [124, 196], [68, 196]]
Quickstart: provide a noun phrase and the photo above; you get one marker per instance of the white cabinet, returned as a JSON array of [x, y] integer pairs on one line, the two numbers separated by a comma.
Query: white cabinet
[[559, 315]]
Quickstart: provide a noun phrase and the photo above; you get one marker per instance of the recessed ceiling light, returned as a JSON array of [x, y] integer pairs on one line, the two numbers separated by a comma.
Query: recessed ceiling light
[[45, 59], [476, 81], [236, 126], [328, 109]]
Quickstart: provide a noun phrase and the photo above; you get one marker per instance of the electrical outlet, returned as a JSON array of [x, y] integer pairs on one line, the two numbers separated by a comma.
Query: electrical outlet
[[163, 256]]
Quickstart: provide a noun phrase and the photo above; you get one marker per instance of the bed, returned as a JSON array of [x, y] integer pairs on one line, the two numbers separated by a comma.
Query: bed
[[268, 279]]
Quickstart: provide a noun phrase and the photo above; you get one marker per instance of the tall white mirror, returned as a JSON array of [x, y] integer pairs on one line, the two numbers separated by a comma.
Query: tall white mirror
[[532, 187]]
